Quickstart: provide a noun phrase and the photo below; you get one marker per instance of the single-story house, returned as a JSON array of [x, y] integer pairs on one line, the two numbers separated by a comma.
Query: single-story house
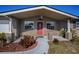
[[37, 21]]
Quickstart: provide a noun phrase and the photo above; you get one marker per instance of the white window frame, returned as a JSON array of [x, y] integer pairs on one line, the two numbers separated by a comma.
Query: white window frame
[[8, 23], [52, 22], [77, 25], [26, 21]]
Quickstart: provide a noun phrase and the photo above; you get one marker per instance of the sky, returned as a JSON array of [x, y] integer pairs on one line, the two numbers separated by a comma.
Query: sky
[[72, 9]]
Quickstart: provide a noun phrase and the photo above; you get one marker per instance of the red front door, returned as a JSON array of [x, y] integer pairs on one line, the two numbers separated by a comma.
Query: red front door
[[39, 28]]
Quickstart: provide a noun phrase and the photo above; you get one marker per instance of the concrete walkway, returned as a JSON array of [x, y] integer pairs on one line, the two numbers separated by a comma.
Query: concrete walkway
[[41, 48]]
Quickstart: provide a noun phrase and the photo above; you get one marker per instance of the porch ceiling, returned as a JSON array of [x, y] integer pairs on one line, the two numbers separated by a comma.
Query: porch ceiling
[[44, 12]]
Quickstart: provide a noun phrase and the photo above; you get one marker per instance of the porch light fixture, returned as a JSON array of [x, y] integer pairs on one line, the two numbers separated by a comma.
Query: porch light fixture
[[40, 17]]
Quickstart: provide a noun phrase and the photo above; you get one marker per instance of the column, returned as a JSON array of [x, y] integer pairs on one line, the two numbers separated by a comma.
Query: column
[[68, 33], [68, 26], [10, 23]]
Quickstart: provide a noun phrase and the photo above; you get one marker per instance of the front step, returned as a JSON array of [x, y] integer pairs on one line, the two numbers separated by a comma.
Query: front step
[[40, 37], [59, 38]]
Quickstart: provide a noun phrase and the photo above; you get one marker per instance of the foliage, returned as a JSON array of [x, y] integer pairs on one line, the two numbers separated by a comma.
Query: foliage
[[62, 32], [75, 37], [27, 41], [74, 34], [73, 31], [2, 37]]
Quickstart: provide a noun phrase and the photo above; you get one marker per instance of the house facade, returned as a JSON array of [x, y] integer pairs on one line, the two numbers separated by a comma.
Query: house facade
[[37, 21]]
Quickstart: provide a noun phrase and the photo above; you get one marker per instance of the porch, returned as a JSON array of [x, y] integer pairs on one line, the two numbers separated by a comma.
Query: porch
[[41, 26]]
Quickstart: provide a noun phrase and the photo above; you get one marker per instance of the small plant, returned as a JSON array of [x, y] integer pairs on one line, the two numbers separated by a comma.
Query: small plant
[[74, 36], [2, 39], [62, 32], [27, 41]]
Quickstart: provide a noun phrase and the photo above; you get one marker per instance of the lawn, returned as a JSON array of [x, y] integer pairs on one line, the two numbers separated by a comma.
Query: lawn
[[64, 47]]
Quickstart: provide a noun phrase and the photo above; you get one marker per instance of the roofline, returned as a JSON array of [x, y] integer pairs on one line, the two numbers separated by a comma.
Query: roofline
[[39, 7]]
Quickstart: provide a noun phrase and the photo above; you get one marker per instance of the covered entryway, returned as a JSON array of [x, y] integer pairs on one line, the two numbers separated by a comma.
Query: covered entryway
[[39, 31]]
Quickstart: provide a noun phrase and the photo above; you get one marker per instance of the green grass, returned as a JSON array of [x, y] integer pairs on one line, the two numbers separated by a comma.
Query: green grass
[[71, 47], [62, 48]]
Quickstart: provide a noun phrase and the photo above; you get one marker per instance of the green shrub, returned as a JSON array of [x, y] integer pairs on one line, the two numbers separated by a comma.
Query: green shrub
[[75, 38], [2, 38], [73, 34], [62, 32]]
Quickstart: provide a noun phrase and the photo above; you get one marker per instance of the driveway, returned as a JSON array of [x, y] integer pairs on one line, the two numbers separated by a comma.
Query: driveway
[[41, 48]]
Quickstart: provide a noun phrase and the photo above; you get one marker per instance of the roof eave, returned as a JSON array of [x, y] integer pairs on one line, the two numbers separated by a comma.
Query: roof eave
[[40, 7]]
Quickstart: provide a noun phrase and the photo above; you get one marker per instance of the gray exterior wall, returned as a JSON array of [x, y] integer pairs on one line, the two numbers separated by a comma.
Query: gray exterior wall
[[58, 25], [18, 27]]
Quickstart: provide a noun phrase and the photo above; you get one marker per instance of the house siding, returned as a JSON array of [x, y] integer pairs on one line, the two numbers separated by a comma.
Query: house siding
[[58, 26], [29, 32], [18, 27]]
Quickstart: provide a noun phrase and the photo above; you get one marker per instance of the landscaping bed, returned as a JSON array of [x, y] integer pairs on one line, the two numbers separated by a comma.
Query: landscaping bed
[[26, 43], [15, 47]]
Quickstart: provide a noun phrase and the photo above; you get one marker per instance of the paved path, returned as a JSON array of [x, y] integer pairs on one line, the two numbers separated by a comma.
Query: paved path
[[42, 48]]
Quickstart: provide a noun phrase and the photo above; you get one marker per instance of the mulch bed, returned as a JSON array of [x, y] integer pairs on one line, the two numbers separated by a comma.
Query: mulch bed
[[15, 47]]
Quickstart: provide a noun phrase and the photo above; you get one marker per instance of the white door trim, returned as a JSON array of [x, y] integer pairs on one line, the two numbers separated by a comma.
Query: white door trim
[[43, 26]]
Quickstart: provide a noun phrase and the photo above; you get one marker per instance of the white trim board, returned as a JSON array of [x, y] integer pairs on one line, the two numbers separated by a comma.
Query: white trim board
[[40, 7]]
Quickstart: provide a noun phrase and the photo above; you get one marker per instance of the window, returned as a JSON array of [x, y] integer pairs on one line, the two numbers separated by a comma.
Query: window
[[50, 25], [77, 25], [4, 26], [29, 25]]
